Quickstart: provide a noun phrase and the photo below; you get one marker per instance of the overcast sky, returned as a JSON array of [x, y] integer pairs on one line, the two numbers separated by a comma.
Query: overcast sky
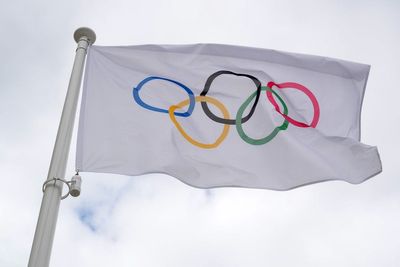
[[157, 221]]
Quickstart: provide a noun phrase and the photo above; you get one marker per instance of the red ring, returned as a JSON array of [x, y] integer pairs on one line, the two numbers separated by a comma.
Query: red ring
[[305, 90]]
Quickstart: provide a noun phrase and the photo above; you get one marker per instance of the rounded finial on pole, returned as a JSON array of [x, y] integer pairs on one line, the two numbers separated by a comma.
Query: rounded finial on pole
[[84, 31]]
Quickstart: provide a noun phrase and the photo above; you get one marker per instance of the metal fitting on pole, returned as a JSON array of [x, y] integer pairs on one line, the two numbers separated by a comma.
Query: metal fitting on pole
[[74, 186]]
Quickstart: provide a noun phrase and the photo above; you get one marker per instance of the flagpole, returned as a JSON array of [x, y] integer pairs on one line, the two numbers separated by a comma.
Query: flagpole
[[46, 225]]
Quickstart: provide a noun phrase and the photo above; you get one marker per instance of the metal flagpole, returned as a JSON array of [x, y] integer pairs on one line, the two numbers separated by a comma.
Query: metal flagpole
[[46, 225]]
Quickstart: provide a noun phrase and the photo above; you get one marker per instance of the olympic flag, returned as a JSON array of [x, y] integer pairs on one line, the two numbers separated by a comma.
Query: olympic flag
[[218, 115]]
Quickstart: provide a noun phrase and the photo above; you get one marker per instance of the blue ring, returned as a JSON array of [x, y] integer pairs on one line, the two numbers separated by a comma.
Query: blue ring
[[146, 106]]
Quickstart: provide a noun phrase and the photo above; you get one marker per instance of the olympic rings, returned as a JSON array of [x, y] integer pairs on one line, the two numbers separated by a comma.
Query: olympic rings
[[207, 86], [203, 99], [184, 87], [267, 138], [305, 90], [238, 120]]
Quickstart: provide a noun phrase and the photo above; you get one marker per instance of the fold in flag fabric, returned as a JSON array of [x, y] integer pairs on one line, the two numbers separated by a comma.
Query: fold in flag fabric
[[219, 115]]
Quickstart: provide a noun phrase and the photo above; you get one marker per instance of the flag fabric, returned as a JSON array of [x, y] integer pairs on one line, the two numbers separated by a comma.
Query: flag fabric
[[218, 115]]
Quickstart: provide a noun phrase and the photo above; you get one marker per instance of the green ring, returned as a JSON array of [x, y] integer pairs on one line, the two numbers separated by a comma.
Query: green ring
[[269, 137]]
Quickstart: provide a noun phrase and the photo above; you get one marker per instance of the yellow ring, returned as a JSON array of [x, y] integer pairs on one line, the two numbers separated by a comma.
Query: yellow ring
[[211, 100]]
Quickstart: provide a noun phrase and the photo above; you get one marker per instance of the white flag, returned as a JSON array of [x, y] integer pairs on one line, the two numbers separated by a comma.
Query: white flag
[[218, 115]]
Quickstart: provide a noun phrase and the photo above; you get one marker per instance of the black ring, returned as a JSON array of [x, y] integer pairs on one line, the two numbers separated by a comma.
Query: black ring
[[215, 118]]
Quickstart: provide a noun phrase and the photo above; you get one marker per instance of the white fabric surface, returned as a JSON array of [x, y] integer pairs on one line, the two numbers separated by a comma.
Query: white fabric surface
[[117, 135]]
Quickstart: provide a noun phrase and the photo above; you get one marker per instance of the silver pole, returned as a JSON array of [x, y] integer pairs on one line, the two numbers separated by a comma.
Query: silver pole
[[46, 225]]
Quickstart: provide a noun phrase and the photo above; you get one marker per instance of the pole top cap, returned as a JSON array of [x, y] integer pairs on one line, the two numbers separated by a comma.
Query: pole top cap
[[85, 32]]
